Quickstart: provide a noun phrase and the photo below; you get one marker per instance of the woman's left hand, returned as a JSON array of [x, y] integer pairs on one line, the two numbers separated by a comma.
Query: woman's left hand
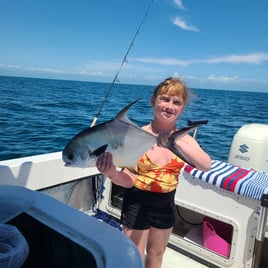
[[105, 164]]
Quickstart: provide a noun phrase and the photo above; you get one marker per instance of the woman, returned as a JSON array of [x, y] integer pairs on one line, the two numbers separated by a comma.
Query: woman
[[148, 211]]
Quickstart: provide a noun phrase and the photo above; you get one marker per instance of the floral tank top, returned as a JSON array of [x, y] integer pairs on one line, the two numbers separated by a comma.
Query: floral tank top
[[153, 178]]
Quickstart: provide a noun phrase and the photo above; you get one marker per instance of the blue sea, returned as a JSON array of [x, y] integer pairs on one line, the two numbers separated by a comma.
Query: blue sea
[[39, 116]]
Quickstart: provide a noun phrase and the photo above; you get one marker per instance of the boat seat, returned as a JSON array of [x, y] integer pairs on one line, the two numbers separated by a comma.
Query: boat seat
[[246, 182]]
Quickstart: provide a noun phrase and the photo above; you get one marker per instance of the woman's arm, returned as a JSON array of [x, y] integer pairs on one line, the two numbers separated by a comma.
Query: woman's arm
[[191, 149]]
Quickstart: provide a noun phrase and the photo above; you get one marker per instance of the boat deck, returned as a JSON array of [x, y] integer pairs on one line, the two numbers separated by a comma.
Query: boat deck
[[173, 258]]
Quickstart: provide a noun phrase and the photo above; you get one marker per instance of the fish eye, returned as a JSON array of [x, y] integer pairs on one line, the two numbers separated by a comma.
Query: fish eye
[[70, 156]]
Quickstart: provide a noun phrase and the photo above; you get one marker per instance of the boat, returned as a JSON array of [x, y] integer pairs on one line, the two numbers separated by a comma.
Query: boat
[[56, 234], [73, 214]]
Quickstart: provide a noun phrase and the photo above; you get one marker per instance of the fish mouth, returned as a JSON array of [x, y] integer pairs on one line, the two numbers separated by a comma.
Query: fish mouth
[[67, 162]]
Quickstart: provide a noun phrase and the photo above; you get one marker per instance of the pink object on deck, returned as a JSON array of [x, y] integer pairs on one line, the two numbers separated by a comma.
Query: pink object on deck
[[217, 236]]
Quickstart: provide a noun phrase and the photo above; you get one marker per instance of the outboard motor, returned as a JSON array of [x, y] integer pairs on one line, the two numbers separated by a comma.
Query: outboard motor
[[249, 147]]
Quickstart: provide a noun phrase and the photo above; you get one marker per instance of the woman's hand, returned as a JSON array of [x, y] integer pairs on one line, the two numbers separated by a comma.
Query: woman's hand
[[105, 164]]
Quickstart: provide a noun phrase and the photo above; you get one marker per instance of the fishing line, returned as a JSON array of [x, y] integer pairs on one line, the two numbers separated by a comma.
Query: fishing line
[[121, 65]]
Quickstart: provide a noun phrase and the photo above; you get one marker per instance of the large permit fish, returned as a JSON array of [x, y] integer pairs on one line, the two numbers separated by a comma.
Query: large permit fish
[[126, 141]]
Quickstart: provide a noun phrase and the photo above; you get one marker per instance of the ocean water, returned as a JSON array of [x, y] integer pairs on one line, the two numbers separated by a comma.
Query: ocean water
[[39, 116]]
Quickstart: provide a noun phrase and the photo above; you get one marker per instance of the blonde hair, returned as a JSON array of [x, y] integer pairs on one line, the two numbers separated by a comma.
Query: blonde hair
[[173, 87]]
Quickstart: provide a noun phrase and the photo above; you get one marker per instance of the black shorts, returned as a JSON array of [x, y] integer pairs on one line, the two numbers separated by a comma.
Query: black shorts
[[142, 210]]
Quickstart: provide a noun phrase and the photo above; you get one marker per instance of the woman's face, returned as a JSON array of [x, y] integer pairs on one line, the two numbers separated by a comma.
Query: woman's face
[[167, 107]]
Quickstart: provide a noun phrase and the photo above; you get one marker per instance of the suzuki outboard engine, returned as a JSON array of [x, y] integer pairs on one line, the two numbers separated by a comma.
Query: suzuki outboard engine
[[249, 147]]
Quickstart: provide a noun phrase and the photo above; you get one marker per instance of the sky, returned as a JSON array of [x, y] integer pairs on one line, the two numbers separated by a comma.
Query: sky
[[213, 44]]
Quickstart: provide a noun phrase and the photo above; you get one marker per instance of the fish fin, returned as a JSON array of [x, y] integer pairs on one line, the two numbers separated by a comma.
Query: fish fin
[[122, 115], [99, 150], [178, 135], [180, 154]]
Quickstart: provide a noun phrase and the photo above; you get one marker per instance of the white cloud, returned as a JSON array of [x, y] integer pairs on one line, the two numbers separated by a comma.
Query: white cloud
[[254, 58], [166, 61], [100, 65], [9, 66], [94, 73], [179, 4], [98, 68], [44, 70], [251, 58], [223, 79], [184, 26]]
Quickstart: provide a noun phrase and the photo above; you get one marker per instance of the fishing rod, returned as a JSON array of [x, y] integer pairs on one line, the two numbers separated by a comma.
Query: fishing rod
[[121, 65]]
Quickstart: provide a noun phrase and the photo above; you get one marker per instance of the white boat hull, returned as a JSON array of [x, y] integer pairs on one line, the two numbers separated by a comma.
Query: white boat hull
[[194, 198]]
